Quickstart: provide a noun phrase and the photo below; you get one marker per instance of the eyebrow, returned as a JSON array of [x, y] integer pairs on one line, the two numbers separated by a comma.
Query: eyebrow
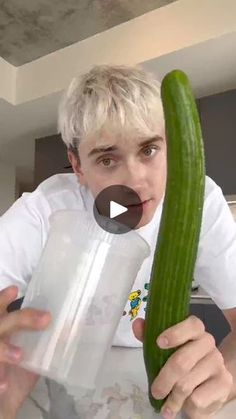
[[104, 149]]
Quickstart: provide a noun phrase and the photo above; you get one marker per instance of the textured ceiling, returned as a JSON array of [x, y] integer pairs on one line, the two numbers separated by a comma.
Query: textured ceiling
[[30, 29]]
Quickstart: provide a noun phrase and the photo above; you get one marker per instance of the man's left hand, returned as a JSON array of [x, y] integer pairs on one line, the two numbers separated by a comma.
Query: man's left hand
[[194, 378]]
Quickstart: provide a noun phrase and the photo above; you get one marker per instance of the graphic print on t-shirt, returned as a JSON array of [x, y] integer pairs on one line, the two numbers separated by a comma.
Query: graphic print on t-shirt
[[146, 287], [135, 302]]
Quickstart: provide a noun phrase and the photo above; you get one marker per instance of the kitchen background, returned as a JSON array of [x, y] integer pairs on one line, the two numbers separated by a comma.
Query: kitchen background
[[44, 44]]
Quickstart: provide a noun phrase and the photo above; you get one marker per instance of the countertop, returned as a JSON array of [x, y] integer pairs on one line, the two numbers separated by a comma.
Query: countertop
[[122, 392], [200, 297], [231, 199]]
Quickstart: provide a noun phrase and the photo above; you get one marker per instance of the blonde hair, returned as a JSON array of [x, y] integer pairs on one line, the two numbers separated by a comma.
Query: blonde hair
[[125, 100]]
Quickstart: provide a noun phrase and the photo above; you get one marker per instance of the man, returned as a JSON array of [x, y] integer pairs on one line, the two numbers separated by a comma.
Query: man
[[111, 120]]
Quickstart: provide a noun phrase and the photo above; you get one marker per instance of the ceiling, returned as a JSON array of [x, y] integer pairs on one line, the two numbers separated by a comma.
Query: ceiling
[[31, 29]]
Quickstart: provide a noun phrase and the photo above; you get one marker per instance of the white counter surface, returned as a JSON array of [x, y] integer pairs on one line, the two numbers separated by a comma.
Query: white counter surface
[[122, 394]]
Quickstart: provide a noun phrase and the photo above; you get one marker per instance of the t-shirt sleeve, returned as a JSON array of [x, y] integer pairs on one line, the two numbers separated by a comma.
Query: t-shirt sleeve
[[215, 268], [21, 242]]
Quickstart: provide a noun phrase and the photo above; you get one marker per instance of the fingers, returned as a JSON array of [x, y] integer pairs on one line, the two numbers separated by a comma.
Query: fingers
[[26, 318], [181, 362], [7, 296], [3, 379], [191, 328], [210, 396], [206, 369], [9, 354], [3, 387], [138, 328]]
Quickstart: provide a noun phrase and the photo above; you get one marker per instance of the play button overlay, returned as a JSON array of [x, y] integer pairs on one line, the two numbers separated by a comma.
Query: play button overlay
[[118, 209]]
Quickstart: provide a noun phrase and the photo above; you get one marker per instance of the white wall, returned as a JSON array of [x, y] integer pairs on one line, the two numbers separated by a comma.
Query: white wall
[[7, 186], [7, 81]]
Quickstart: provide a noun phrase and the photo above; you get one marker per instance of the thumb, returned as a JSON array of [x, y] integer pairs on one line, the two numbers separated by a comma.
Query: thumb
[[138, 328]]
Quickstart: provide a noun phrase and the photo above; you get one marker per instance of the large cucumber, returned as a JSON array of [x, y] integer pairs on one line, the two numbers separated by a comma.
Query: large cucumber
[[177, 242]]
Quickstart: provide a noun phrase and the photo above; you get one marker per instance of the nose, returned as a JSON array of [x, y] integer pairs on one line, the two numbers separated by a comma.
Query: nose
[[135, 177]]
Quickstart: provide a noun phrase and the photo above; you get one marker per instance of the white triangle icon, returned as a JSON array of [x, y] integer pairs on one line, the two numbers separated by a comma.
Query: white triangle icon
[[116, 209]]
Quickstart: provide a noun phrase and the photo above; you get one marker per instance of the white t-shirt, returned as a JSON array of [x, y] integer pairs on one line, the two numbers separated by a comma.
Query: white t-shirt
[[123, 391], [24, 229]]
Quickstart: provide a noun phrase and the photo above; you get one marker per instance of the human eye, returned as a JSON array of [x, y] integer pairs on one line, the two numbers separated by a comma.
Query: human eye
[[149, 149], [105, 162]]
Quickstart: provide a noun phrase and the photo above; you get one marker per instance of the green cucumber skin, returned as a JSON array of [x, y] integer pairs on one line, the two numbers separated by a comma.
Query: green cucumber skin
[[177, 243]]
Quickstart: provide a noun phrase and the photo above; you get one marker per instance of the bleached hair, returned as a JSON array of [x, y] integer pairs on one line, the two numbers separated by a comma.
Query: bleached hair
[[125, 100]]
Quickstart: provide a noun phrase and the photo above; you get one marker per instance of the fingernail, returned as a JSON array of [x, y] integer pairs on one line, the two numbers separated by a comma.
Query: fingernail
[[162, 342], [41, 317], [42, 314], [14, 354], [167, 413], [157, 394], [3, 387]]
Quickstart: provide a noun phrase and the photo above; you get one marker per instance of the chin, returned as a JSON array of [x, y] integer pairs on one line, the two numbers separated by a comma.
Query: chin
[[144, 221]]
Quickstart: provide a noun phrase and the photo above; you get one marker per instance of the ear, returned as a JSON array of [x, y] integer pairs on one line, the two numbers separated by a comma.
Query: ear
[[76, 166]]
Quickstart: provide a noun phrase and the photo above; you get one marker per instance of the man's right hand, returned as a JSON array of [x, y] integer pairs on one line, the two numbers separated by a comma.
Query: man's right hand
[[15, 383]]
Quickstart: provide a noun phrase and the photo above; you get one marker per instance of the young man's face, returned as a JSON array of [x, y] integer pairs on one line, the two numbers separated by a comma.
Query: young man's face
[[141, 167]]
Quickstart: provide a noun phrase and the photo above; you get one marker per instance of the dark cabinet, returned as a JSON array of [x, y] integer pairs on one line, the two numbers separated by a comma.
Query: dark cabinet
[[213, 319], [218, 120], [50, 158]]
